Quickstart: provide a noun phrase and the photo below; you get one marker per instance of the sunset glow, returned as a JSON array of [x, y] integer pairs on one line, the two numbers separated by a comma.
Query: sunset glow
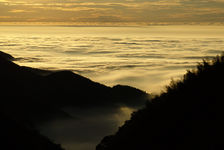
[[99, 12], [111, 74]]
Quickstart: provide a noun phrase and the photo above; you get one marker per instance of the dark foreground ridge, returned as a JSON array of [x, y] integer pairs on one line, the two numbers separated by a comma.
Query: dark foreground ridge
[[189, 115], [16, 136], [31, 96]]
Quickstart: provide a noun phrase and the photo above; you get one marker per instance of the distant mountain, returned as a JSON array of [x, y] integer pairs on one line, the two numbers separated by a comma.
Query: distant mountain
[[35, 95], [189, 115]]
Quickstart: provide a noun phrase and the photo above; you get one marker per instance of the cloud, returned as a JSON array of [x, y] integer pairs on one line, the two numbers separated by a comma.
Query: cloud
[[88, 127], [20, 11], [113, 10], [102, 19]]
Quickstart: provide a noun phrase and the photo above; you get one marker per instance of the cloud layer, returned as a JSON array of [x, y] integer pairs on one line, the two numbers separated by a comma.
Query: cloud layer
[[113, 11]]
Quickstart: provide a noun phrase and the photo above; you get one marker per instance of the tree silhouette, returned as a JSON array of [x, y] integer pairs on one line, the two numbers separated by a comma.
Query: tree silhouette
[[187, 115]]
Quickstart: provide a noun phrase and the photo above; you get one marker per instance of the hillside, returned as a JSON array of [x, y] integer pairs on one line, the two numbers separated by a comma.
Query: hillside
[[35, 95], [188, 115], [16, 136]]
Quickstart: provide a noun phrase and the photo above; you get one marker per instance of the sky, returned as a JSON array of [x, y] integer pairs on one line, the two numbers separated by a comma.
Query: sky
[[112, 11]]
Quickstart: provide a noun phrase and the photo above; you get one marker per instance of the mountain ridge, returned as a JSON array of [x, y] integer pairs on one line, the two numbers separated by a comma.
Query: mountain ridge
[[57, 89], [31, 97]]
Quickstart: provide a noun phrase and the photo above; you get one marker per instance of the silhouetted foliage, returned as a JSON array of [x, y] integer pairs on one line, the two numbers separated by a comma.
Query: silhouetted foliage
[[188, 115]]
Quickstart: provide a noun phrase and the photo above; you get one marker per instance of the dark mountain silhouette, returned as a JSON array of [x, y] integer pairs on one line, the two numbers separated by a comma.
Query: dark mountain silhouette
[[6, 56], [19, 93], [35, 95], [15, 136], [188, 115], [128, 95], [30, 96]]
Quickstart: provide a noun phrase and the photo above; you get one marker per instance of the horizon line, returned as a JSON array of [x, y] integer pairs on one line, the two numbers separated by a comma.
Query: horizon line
[[108, 24]]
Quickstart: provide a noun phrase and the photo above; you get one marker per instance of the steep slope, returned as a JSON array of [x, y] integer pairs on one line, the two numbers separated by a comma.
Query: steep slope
[[16, 136], [188, 115]]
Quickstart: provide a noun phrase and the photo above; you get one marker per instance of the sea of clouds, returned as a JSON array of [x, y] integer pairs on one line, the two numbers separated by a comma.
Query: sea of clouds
[[143, 57]]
